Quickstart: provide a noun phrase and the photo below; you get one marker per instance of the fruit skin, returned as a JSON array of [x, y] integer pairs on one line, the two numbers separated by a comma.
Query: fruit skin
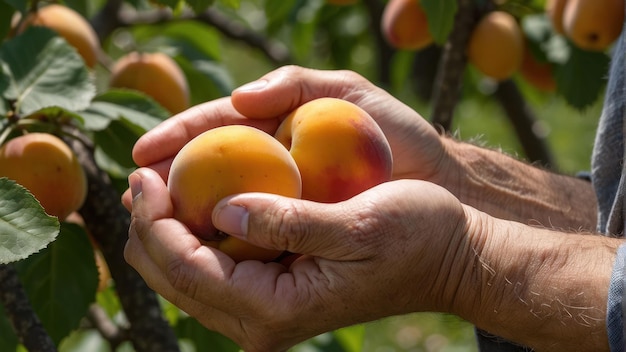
[[496, 45], [338, 147], [554, 10], [155, 74], [70, 25], [48, 168], [539, 74], [224, 161], [593, 24], [404, 25]]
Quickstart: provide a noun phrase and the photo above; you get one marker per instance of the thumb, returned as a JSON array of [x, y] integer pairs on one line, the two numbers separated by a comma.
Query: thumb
[[283, 223]]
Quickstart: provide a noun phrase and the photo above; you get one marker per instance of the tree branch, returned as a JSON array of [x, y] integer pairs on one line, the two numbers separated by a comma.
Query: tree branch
[[24, 320], [453, 62], [523, 120], [112, 333], [108, 221]]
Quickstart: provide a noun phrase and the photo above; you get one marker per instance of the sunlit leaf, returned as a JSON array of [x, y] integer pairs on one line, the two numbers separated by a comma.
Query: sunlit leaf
[[351, 337], [61, 281], [24, 226], [41, 70]]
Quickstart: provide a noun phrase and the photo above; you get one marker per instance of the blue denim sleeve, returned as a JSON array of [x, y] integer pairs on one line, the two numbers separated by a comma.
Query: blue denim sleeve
[[617, 302]]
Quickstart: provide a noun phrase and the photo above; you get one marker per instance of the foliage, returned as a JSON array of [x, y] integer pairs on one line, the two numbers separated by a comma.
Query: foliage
[[45, 86]]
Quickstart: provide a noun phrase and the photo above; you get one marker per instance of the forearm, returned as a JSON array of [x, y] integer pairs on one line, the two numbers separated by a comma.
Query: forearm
[[541, 288], [507, 188]]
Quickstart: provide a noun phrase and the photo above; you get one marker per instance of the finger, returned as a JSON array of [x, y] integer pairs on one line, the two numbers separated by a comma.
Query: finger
[[332, 231], [281, 91], [166, 139], [162, 168]]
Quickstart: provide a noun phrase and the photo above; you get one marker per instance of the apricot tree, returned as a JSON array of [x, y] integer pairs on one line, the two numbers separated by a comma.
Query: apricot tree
[[59, 78]]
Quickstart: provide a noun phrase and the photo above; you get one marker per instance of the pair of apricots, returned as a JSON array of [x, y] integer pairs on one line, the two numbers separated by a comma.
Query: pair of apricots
[[327, 150], [154, 74], [496, 44]]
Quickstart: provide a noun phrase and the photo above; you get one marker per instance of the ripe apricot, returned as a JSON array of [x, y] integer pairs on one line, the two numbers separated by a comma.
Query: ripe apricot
[[496, 45], [48, 168], [554, 10], [224, 161], [339, 149], [70, 25], [593, 24], [404, 25], [155, 74]]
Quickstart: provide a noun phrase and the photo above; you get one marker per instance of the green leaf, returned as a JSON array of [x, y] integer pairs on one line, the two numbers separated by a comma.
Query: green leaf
[[582, 78], [61, 281], [231, 3], [207, 79], [41, 69], [199, 5], [6, 14], [351, 337], [203, 339], [138, 108], [117, 141], [19, 5], [8, 339], [25, 228], [440, 14]]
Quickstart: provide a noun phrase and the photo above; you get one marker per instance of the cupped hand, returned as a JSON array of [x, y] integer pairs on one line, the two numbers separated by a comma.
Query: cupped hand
[[389, 250], [417, 148]]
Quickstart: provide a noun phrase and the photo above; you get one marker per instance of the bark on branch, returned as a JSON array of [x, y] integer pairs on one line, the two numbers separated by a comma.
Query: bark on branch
[[108, 221], [23, 318]]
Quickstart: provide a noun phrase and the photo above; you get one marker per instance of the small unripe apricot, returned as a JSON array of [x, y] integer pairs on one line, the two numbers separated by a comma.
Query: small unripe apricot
[[496, 45], [155, 74], [70, 25], [224, 161], [405, 25], [593, 24], [48, 168]]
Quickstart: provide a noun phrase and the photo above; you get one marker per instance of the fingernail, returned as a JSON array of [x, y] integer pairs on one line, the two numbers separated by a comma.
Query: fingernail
[[232, 219], [134, 181], [252, 86]]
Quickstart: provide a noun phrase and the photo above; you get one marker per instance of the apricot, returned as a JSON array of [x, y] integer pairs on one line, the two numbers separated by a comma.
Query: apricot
[[537, 73], [404, 25], [224, 161], [496, 45], [48, 168], [155, 74], [554, 10], [70, 25], [593, 24], [338, 147]]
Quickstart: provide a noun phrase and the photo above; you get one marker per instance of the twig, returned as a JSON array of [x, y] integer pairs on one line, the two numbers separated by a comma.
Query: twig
[[24, 320], [109, 331]]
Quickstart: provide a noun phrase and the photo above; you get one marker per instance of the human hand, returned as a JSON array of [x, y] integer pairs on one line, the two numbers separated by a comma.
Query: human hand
[[393, 249], [416, 146]]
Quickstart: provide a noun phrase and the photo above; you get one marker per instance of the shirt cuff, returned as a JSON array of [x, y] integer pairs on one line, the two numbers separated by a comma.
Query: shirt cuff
[[617, 303]]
